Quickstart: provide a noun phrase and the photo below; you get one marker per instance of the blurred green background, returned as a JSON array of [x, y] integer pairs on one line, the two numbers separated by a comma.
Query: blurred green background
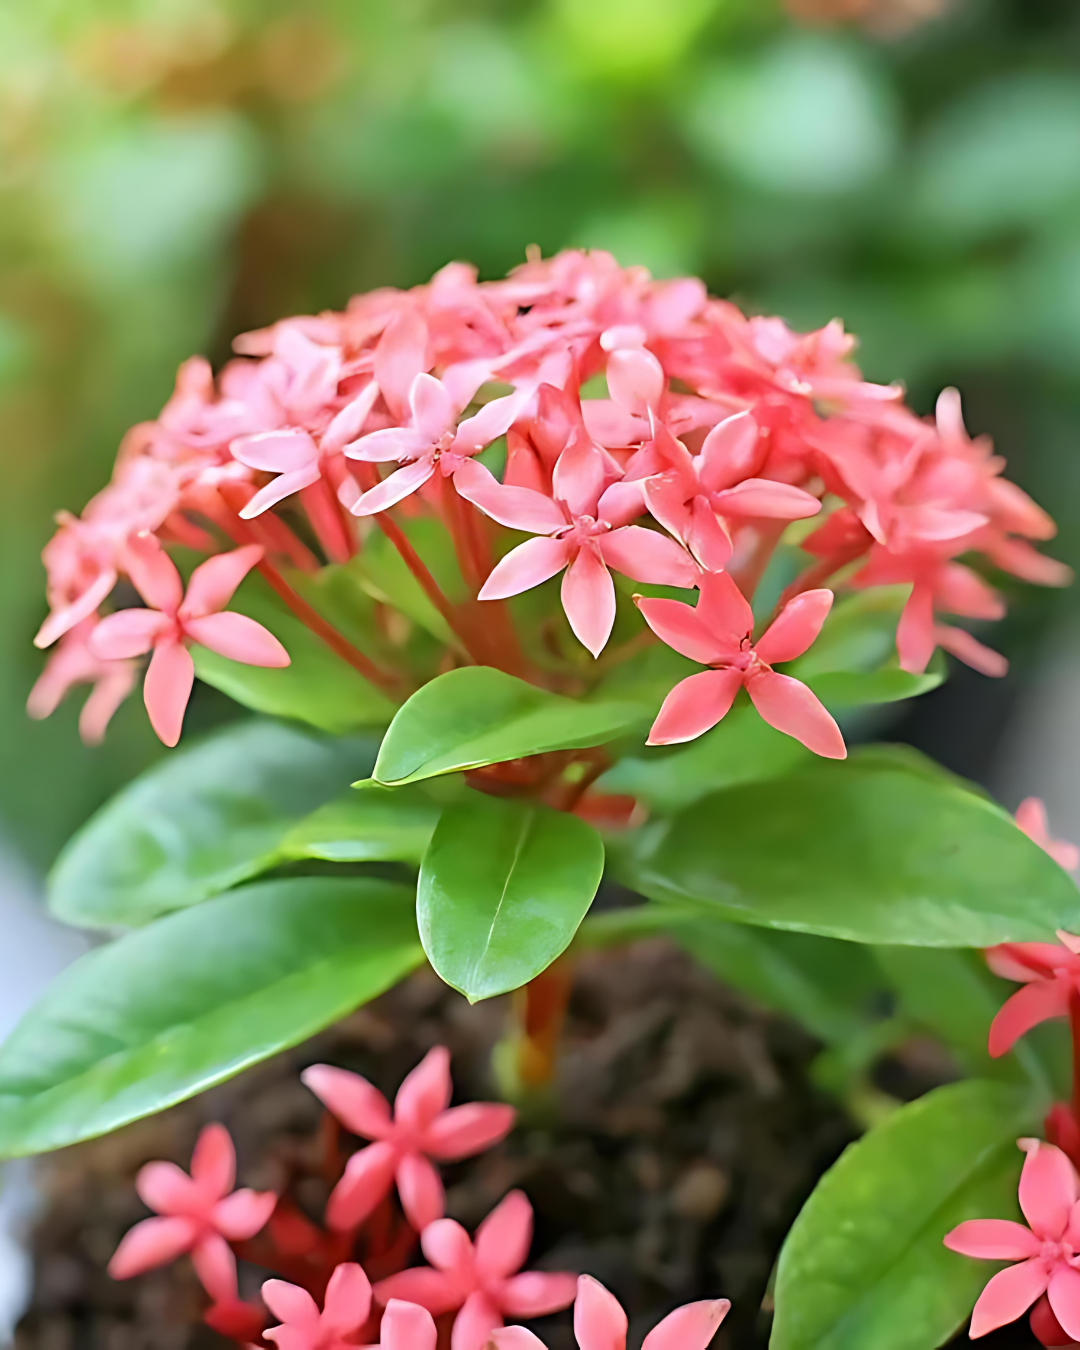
[[175, 171]]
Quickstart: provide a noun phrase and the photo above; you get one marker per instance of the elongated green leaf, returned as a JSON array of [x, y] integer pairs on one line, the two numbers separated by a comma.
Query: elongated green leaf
[[503, 887], [841, 689], [192, 999], [864, 1266], [385, 576], [202, 820], [318, 686], [478, 715], [370, 823], [881, 848]]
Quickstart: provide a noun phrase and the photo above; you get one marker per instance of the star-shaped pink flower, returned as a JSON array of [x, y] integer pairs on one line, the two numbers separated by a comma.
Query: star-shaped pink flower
[[1050, 974], [600, 1324], [173, 618], [420, 1128], [200, 1214], [346, 1308], [480, 1279], [718, 632], [1046, 1253]]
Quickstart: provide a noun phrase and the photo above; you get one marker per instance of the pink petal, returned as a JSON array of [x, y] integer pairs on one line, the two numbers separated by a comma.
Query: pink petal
[[406, 1326], [282, 451], [666, 499], [915, 641], [993, 1240], [525, 567], [763, 497], [502, 1241], [730, 453], [243, 1214], [1031, 818], [154, 1242], [790, 707], [492, 421], [425, 1091], [690, 1327], [348, 1300], [611, 425], [368, 1176], [358, 1104], [239, 638], [420, 1190], [1034, 1003], [127, 633], [1048, 1190], [707, 538], [62, 620], [795, 627], [431, 1289], [349, 422], [293, 1338], [588, 597], [971, 651], [635, 380], [431, 407], [695, 705], [648, 556], [518, 508], [474, 1324], [167, 688], [599, 1321], [516, 1338], [447, 1246], [400, 356], [215, 1265], [107, 695], [465, 1130], [682, 627], [283, 486], [1008, 1296], [391, 443], [213, 1161], [1064, 1295], [1025, 960], [153, 573], [213, 582], [291, 1304], [401, 484], [580, 477], [536, 1293], [723, 607], [164, 1187]]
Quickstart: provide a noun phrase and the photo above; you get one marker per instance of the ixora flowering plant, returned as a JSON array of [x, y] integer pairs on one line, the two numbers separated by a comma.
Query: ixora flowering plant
[[573, 575]]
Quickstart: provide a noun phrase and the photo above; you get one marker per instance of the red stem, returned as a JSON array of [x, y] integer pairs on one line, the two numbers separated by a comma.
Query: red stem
[[324, 512]]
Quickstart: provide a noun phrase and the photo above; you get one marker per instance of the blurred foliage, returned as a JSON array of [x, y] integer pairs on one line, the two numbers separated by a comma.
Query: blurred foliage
[[174, 171]]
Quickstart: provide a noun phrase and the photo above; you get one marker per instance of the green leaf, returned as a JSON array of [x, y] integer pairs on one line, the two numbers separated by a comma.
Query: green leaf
[[864, 1266], [370, 823], [318, 686], [503, 887], [205, 818], [880, 848], [383, 574], [851, 689], [171, 1009], [478, 715]]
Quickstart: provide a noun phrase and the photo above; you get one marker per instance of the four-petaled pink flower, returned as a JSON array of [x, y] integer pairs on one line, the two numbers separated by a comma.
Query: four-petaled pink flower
[[420, 1127], [200, 1214], [1031, 818], [174, 617], [346, 1308], [587, 531], [1051, 977], [600, 1324], [480, 1278], [1047, 1252], [718, 632]]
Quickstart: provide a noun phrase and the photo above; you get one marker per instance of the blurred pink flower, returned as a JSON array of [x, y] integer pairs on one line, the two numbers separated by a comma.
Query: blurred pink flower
[[480, 1278], [1051, 977], [73, 663], [200, 1214], [421, 1127], [1031, 818], [303, 1327]]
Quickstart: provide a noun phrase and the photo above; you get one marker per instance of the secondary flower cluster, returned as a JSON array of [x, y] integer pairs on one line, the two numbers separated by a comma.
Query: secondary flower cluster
[[478, 1281], [649, 430]]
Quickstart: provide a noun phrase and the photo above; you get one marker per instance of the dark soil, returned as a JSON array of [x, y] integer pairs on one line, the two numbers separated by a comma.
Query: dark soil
[[687, 1135]]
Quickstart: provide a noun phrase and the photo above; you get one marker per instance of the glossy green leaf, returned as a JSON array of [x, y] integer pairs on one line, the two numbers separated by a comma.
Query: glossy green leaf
[[882, 848], [168, 1010], [201, 820], [864, 1266], [503, 888], [384, 575], [839, 689], [369, 823], [478, 715], [318, 686]]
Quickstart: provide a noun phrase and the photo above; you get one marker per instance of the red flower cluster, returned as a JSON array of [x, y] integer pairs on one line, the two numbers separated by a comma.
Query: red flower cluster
[[650, 430]]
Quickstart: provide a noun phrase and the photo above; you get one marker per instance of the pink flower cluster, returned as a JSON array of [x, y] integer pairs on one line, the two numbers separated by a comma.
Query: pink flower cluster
[[650, 431]]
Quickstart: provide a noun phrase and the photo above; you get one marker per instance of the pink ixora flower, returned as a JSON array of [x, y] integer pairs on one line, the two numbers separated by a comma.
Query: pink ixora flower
[[420, 1128], [346, 1308], [1031, 818], [600, 1324], [718, 632], [480, 1278], [1046, 1253], [200, 1214], [73, 663], [582, 529], [1051, 978], [174, 617]]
